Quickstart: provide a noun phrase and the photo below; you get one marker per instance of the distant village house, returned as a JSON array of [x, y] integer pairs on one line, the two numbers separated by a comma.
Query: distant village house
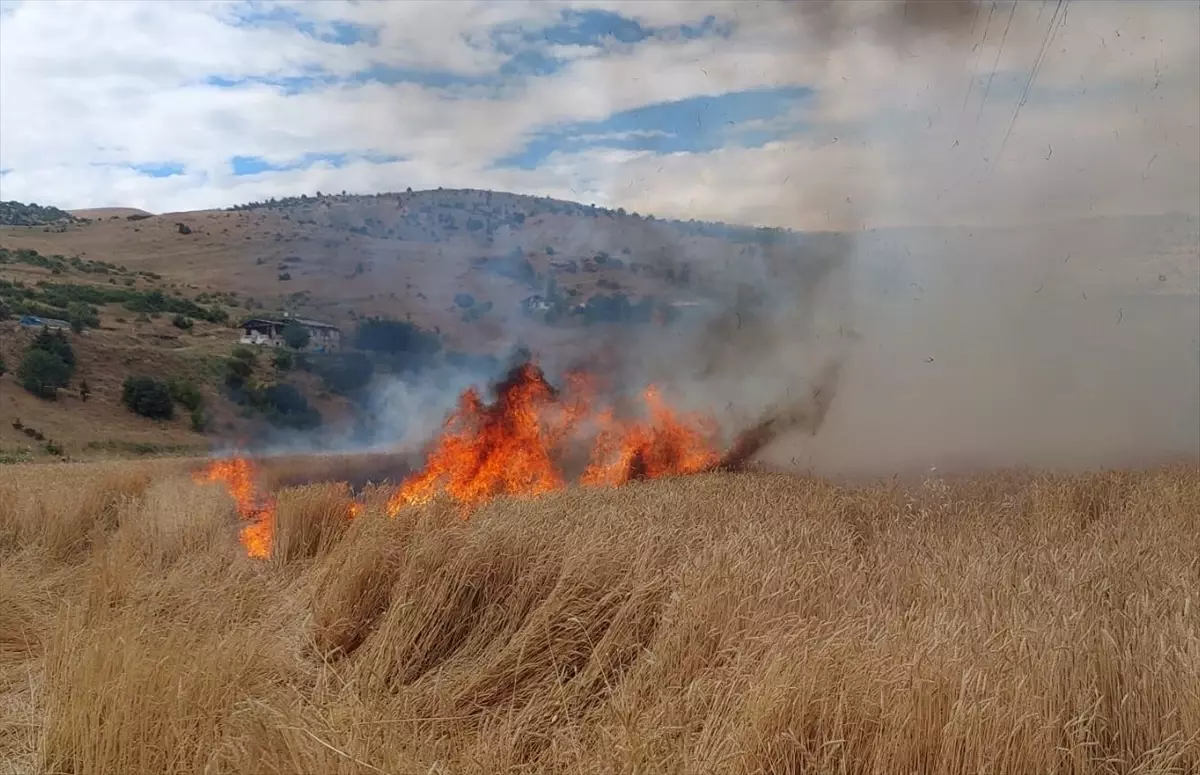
[[536, 303], [268, 332]]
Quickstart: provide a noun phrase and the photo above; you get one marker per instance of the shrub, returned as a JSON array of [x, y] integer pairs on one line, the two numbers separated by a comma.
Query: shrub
[[42, 373], [147, 397], [55, 343], [285, 276], [237, 371], [396, 336], [186, 393], [245, 354], [182, 322], [81, 315], [285, 406], [345, 372], [3, 368], [464, 300], [283, 360], [198, 419]]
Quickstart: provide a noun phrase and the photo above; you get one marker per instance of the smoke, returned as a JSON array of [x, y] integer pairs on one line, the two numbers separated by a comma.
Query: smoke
[[988, 295], [986, 274]]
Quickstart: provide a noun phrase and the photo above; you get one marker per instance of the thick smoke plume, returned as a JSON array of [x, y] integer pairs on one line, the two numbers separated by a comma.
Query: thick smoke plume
[[983, 277]]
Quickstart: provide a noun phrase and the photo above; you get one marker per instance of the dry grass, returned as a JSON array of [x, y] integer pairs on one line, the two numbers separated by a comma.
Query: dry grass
[[717, 624]]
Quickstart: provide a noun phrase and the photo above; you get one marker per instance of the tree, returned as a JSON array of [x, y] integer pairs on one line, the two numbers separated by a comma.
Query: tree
[[283, 360], [81, 316], [296, 336], [396, 336], [85, 390], [147, 397], [42, 373], [186, 393], [55, 343]]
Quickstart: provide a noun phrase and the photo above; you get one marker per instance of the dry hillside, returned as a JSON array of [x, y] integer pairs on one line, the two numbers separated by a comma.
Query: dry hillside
[[458, 263]]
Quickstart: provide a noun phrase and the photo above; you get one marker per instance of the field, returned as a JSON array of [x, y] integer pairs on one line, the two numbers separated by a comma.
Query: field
[[722, 623]]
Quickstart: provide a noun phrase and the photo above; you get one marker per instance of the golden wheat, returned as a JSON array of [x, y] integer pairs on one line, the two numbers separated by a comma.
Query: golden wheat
[[712, 624]]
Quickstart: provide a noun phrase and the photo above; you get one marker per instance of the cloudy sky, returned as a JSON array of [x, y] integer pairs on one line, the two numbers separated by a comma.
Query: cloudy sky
[[739, 111]]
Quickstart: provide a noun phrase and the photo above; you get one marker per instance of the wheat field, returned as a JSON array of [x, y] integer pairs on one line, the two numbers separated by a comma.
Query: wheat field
[[750, 623]]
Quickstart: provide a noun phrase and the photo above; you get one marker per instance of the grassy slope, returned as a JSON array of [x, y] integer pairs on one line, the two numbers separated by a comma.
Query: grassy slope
[[416, 253], [718, 624], [412, 266]]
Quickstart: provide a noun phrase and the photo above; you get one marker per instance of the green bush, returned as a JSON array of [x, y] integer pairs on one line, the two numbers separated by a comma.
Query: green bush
[[345, 373], [283, 360], [182, 322], [42, 373], [55, 343], [82, 315], [147, 397], [237, 372], [186, 393]]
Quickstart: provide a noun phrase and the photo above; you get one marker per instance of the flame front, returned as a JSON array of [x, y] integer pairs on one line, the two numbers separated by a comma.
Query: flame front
[[515, 445], [487, 451], [239, 478], [666, 444]]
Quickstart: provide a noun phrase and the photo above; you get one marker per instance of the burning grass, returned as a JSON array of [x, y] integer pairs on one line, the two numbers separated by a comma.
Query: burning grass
[[714, 623]]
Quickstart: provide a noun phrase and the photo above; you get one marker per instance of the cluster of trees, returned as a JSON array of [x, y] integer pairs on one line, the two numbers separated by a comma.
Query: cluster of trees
[[48, 364]]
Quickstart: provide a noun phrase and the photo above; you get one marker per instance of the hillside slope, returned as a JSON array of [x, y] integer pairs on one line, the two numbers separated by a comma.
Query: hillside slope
[[481, 270]]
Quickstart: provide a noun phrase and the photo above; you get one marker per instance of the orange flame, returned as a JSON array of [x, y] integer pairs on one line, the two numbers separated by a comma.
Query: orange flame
[[515, 445], [666, 444], [239, 478]]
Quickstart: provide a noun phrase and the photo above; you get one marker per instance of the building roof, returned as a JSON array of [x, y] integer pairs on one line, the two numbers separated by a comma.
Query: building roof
[[284, 321], [34, 320]]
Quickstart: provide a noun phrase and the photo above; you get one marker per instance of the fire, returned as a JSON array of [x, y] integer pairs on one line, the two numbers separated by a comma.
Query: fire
[[239, 478], [520, 444], [516, 445], [665, 444], [487, 451]]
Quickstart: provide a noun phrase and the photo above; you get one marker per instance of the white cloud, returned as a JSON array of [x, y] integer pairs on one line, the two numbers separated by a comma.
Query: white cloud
[[89, 86]]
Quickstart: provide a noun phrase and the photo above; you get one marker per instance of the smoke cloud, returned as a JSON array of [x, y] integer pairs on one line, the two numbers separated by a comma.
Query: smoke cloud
[[980, 279]]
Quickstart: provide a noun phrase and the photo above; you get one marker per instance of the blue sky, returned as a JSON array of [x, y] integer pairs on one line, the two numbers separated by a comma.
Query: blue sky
[[685, 108]]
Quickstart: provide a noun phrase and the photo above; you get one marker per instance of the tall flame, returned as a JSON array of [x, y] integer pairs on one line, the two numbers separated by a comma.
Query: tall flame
[[238, 476], [663, 445], [487, 451]]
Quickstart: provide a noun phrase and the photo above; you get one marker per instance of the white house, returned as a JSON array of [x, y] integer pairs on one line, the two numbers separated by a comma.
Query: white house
[[268, 332]]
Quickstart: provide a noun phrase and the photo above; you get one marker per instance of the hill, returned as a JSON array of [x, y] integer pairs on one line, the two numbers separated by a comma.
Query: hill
[[472, 267], [18, 214], [93, 213], [479, 271]]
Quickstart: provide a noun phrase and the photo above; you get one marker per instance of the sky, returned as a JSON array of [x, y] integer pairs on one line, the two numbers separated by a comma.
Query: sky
[[734, 110]]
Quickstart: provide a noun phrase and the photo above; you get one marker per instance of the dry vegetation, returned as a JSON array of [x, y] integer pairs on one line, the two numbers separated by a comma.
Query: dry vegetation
[[722, 623]]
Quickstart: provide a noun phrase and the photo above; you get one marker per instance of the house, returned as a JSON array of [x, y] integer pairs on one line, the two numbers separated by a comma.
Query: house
[[268, 332], [32, 321], [536, 303]]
